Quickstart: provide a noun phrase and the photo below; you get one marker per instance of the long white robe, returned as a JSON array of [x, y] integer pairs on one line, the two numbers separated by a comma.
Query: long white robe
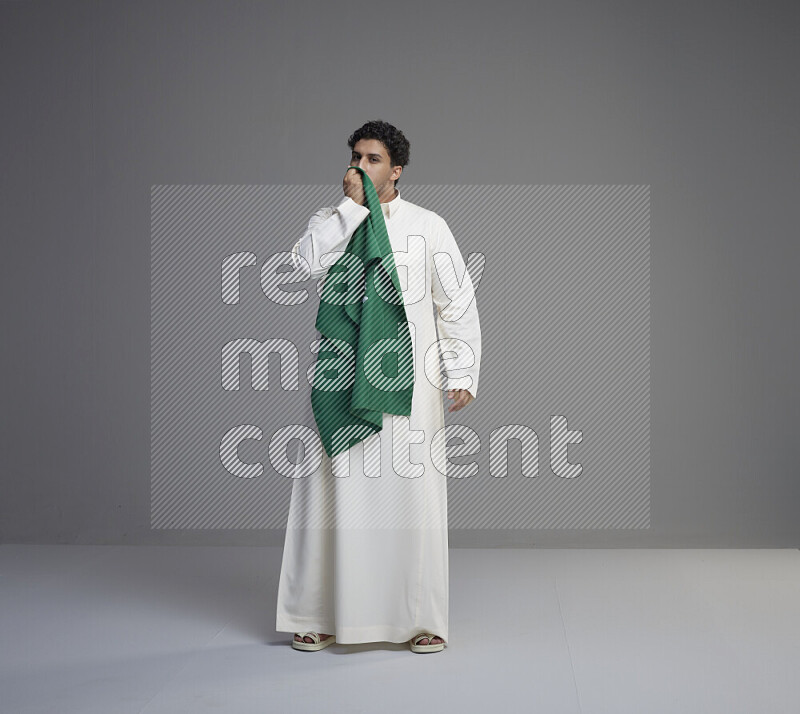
[[366, 549]]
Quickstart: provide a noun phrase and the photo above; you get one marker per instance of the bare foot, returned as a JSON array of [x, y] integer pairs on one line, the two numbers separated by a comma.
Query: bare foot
[[308, 639], [424, 641]]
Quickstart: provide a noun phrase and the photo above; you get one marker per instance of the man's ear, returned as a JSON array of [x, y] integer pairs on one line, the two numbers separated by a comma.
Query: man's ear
[[398, 170]]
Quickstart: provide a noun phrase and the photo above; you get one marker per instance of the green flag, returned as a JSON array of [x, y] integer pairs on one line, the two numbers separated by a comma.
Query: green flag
[[365, 364]]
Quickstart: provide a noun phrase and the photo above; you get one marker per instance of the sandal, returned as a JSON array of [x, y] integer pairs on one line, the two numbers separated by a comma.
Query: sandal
[[416, 647], [317, 644]]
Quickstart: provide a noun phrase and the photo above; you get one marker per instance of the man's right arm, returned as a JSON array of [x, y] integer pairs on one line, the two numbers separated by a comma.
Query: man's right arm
[[329, 230]]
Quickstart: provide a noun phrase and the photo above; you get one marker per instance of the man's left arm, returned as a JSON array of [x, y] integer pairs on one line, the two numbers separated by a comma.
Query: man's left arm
[[457, 316]]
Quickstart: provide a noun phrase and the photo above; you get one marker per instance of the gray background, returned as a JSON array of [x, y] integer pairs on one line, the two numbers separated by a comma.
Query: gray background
[[104, 99]]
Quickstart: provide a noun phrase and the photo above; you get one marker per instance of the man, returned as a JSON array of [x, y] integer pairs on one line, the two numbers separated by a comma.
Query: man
[[366, 551]]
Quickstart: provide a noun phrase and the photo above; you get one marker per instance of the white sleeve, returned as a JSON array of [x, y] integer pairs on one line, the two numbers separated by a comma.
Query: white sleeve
[[329, 230], [457, 312]]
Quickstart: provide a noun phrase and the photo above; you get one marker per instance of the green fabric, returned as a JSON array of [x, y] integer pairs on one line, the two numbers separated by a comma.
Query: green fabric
[[365, 364]]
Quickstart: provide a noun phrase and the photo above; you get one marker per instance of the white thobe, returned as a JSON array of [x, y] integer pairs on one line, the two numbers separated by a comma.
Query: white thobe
[[366, 549]]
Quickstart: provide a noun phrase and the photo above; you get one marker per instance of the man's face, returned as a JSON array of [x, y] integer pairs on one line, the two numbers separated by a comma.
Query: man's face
[[372, 156]]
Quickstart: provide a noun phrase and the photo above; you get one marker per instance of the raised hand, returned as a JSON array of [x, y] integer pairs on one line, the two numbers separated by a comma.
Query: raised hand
[[353, 186]]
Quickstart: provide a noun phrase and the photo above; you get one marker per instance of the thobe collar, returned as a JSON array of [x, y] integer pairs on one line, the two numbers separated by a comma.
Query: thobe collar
[[390, 208]]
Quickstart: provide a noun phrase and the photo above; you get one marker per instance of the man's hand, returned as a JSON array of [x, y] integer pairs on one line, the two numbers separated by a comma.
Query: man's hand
[[353, 186], [461, 398]]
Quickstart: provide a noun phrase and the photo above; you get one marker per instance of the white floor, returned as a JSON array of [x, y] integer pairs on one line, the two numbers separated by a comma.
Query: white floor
[[116, 629]]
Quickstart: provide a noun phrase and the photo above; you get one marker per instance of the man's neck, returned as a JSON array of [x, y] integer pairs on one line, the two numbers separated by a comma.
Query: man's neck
[[392, 195]]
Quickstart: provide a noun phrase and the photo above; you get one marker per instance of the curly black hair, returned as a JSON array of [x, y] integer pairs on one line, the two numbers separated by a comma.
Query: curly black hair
[[390, 136]]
